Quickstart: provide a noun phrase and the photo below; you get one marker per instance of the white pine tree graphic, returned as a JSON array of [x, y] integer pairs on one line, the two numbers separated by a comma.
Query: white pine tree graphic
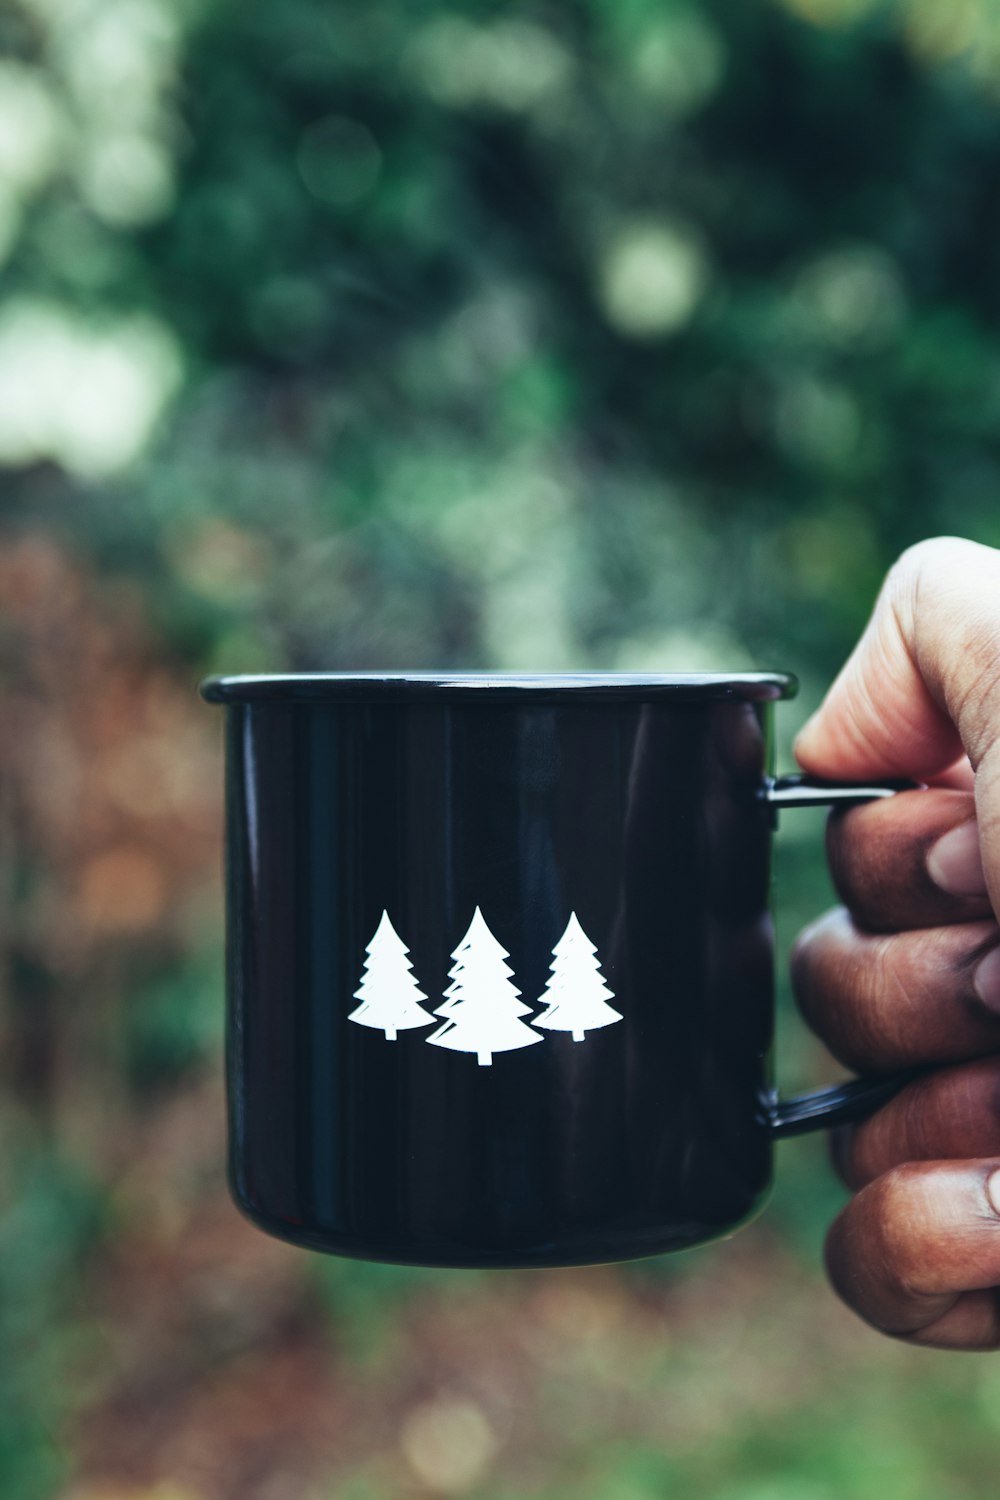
[[389, 994], [576, 992], [481, 1008]]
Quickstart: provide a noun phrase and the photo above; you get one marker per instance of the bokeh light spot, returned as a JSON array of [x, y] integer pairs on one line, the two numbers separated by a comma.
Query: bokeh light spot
[[510, 64], [86, 396], [117, 57], [127, 179], [31, 129], [939, 32], [219, 560], [854, 296], [652, 279], [679, 61], [817, 421], [449, 1444], [830, 12], [339, 160]]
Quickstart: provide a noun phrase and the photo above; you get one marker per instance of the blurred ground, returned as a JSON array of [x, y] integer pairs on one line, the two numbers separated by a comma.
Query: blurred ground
[[237, 1372], [626, 336]]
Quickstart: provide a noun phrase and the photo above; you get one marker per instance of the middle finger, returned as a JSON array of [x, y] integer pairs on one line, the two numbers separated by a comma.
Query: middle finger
[[882, 1001]]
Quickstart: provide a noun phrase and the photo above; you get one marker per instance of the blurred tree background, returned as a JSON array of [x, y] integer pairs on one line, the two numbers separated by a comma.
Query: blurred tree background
[[624, 334]]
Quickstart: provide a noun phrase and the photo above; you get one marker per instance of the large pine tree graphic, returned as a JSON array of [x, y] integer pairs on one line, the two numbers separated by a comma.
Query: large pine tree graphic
[[481, 1009], [389, 994], [576, 993]]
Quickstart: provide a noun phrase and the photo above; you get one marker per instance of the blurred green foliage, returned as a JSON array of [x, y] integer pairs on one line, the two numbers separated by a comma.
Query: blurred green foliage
[[511, 332], [616, 333]]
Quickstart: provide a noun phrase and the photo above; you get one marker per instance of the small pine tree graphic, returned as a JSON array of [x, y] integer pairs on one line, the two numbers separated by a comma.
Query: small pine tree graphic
[[481, 1009], [389, 994], [576, 992]]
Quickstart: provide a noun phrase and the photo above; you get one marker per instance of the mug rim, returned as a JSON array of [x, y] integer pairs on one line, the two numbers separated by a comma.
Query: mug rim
[[433, 687]]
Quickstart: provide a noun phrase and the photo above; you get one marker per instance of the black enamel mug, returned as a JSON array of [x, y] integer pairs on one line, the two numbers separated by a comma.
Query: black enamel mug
[[501, 962]]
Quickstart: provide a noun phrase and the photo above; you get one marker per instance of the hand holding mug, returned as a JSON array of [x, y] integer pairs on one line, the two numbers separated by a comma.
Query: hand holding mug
[[907, 972]]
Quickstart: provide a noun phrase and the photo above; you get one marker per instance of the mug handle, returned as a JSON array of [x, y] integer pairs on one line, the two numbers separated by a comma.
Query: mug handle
[[843, 1103]]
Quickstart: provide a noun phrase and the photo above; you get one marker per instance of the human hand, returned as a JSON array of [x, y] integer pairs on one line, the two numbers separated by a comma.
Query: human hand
[[908, 970]]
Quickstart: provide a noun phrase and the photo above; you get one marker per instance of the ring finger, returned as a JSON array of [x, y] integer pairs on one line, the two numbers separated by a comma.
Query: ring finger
[[948, 1114]]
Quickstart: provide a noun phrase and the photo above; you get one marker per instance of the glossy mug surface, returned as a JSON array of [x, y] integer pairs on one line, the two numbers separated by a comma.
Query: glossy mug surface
[[500, 962]]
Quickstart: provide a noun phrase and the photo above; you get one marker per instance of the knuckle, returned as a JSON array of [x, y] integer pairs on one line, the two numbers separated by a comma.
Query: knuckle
[[941, 594], [812, 955], [903, 1130], [860, 1018], [913, 1118], [913, 572], [932, 564], [840, 988], [896, 1188], [841, 845], [895, 1210], [928, 584], [862, 846]]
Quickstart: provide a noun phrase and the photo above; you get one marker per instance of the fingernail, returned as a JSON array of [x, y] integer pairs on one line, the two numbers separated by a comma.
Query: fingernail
[[955, 863], [993, 1191], [987, 980]]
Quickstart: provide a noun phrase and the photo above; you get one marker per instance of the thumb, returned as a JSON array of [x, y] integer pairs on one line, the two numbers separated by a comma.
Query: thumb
[[923, 683]]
